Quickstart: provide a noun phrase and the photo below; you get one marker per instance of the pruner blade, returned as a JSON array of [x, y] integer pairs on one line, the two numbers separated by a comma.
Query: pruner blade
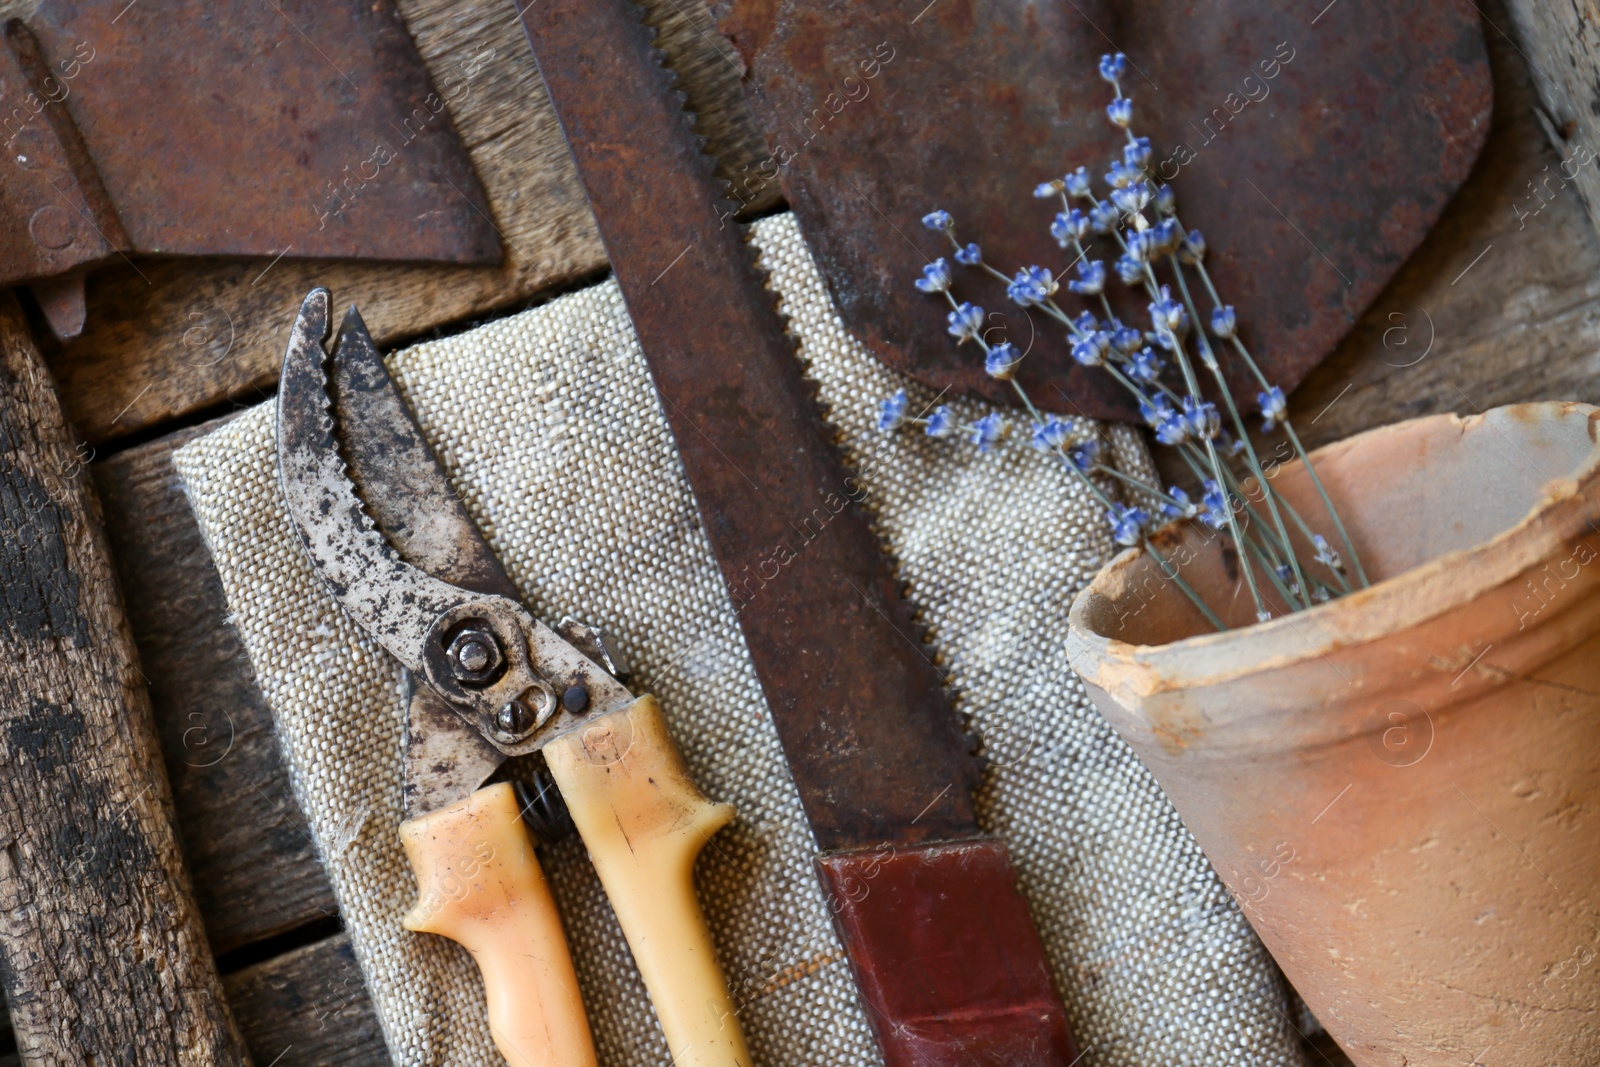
[[477, 650], [393, 601]]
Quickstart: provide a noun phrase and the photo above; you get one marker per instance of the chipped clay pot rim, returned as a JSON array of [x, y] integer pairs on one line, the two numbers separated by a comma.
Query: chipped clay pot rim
[[1434, 588]]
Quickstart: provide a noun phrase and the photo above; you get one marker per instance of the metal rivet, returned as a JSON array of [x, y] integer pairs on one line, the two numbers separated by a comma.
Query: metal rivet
[[52, 228], [575, 699]]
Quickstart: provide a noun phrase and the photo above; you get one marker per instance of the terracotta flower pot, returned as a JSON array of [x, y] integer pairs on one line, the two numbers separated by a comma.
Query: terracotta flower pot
[[1400, 787]]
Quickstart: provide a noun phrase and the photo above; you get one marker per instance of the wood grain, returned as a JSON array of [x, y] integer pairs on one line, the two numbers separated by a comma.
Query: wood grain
[[167, 338], [308, 1008], [1560, 39], [102, 952], [248, 848]]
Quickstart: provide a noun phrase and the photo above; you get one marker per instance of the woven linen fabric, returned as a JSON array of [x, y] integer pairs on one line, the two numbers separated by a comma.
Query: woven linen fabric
[[555, 439]]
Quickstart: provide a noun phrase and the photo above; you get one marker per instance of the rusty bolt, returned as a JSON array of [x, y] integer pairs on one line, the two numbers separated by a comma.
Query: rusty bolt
[[515, 719], [474, 656]]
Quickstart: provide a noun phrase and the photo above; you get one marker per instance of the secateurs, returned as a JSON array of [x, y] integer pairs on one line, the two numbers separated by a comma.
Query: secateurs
[[488, 681]]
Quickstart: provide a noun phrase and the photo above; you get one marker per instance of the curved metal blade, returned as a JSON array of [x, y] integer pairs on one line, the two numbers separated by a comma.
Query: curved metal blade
[[396, 474], [392, 600]]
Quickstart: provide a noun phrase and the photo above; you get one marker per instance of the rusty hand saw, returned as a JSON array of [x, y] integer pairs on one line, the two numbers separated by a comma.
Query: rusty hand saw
[[225, 128], [947, 959]]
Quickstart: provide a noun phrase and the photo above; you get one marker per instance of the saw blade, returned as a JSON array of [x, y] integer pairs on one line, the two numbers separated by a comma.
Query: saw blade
[[874, 746]]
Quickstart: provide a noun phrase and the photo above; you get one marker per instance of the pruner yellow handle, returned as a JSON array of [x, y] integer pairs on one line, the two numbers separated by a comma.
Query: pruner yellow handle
[[479, 884], [644, 822]]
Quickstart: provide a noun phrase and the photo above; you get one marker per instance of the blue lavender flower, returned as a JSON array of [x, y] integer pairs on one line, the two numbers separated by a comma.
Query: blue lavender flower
[[1077, 182], [1172, 429], [1091, 350], [1170, 320], [1214, 509], [1132, 199], [1193, 249], [1124, 338], [1274, 408], [1091, 278], [1136, 153], [1164, 200], [1105, 216], [939, 220], [1141, 246], [1120, 112], [1112, 68], [1224, 321], [1150, 243], [1145, 366], [1001, 361], [1127, 524], [1201, 415], [1086, 322], [1155, 411], [1169, 235], [969, 255], [1069, 226], [1180, 506], [1130, 270], [986, 431], [965, 322], [1051, 434], [1120, 176], [935, 277], [1169, 312], [1031, 286], [1326, 555], [892, 411], [1048, 189], [942, 423], [1085, 455]]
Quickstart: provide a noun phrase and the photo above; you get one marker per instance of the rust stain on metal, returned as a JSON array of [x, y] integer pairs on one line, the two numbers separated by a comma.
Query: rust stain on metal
[[222, 127], [865, 724], [507, 691], [1314, 156]]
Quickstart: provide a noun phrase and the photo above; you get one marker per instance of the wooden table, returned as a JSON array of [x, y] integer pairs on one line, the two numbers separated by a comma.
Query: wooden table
[[1490, 310]]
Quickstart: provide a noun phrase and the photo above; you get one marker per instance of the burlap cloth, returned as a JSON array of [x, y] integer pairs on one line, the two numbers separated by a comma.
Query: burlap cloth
[[553, 435]]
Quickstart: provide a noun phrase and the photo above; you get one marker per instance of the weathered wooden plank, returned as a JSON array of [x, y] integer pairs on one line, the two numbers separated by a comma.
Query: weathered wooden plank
[[308, 1008], [1561, 42], [255, 870], [1500, 304], [178, 336], [102, 953]]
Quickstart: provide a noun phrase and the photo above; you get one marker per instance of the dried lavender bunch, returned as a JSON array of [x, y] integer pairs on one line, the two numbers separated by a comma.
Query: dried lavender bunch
[[1154, 252]]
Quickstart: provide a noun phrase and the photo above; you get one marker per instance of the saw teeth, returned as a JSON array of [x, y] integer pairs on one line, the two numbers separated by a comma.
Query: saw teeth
[[671, 82]]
